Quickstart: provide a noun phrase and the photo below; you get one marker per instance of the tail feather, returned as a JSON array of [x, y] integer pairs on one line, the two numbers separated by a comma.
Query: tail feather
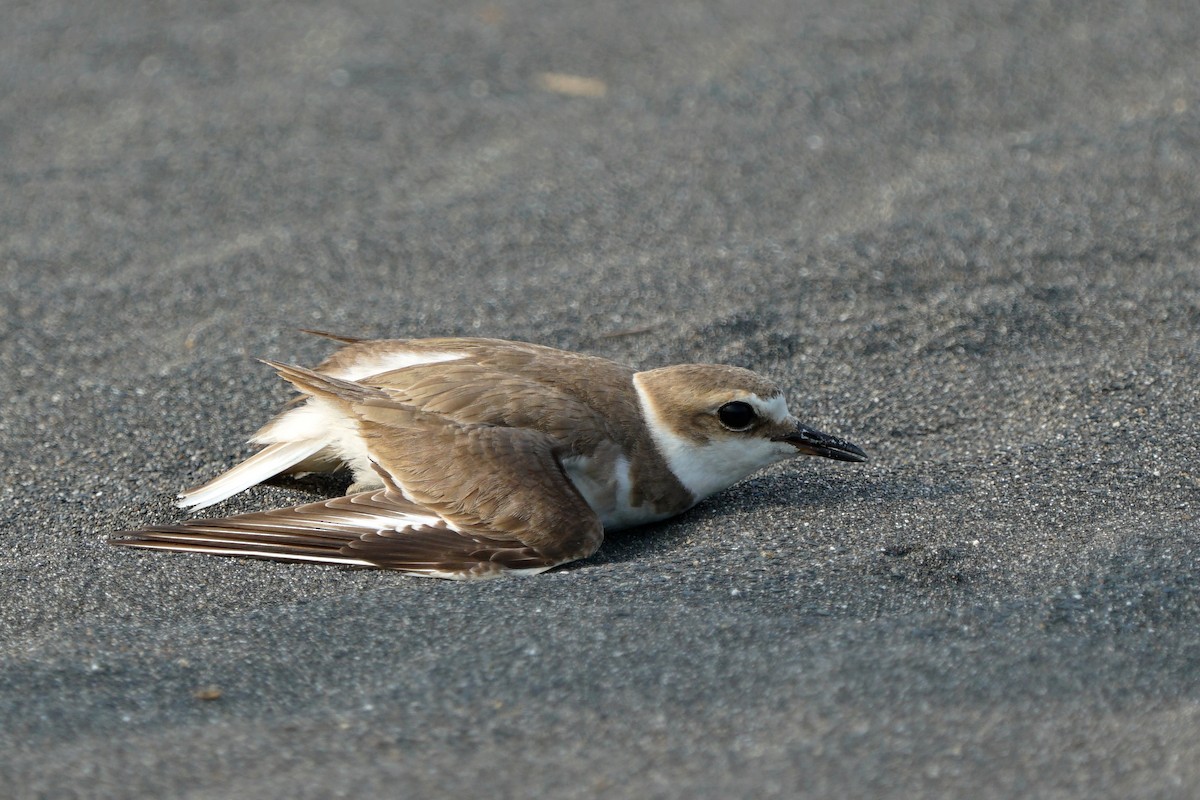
[[267, 463], [335, 337], [302, 438]]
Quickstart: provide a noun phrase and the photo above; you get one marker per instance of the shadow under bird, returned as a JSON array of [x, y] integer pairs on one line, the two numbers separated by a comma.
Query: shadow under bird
[[474, 458]]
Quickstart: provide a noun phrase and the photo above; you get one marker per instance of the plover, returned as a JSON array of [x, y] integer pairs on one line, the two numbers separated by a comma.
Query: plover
[[475, 458]]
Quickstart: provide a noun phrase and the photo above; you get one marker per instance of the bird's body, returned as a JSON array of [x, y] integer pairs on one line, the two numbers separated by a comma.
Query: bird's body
[[476, 457]]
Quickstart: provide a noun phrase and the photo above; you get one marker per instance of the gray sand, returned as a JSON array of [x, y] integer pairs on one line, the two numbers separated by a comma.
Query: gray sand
[[965, 235]]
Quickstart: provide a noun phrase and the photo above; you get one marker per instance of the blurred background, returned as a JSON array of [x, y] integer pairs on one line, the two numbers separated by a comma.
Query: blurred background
[[961, 234]]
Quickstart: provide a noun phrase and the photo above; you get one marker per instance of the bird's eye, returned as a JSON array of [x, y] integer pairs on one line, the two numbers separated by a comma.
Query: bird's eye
[[737, 416]]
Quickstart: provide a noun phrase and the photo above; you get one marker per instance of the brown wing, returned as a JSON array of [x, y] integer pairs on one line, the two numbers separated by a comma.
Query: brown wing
[[372, 529], [462, 501], [513, 384], [470, 393]]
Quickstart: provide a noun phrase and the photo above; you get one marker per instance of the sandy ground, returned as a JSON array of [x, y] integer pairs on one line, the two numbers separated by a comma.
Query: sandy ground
[[965, 235]]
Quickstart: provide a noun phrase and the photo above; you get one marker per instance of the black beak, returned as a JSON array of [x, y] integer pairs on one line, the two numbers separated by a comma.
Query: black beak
[[814, 443]]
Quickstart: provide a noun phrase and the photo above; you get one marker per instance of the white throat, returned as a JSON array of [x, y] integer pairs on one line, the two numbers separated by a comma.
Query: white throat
[[709, 467]]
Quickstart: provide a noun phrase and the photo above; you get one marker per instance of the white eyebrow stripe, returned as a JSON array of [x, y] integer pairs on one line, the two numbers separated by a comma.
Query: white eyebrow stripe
[[774, 408]]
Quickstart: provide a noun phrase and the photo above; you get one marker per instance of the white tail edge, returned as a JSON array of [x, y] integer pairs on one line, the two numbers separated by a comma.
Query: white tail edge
[[266, 463]]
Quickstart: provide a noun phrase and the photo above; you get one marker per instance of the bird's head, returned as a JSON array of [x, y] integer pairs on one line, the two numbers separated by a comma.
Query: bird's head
[[715, 425]]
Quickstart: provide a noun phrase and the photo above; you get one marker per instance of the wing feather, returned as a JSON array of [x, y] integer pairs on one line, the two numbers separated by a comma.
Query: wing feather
[[460, 501], [371, 529]]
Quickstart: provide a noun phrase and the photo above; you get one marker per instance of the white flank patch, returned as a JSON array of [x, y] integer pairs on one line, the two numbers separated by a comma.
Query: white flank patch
[[391, 362], [304, 422], [322, 422], [599, 493], [306, 430], [609, 495]]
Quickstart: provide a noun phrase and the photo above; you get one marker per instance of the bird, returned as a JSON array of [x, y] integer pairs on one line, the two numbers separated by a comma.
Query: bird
[[477, 458]]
